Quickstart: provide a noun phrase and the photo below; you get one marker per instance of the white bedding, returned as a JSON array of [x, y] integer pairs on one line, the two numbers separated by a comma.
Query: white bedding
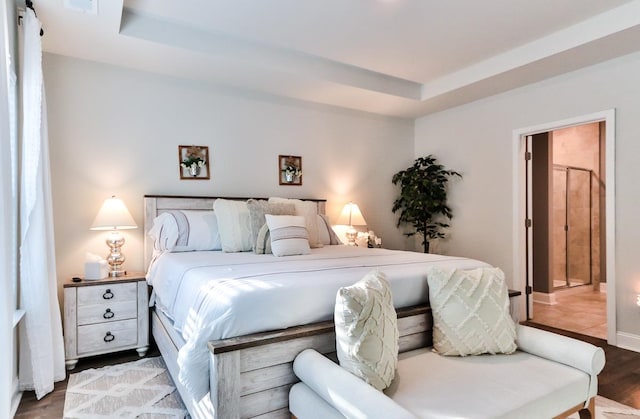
[[216, 295]]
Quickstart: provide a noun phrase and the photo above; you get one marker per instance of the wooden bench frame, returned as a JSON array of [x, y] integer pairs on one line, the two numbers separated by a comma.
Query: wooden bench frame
[[255, 372]]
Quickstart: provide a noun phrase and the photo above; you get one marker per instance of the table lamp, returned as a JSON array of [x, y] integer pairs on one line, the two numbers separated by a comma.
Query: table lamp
[[114, 216], [351, 216]]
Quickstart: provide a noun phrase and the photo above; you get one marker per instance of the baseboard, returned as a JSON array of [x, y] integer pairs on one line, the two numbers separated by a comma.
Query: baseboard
[[16, 396], [544, 298], [628, 341]]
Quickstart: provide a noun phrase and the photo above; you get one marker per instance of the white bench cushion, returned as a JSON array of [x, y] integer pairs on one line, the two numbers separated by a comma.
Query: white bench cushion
[[519, 385]]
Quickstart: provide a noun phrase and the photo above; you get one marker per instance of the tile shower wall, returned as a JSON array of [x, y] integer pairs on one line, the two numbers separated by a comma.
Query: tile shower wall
[[576, 147]]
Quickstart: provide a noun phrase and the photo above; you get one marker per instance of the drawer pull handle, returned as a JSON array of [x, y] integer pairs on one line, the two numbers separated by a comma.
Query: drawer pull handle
[[107, 295], [109, 337], [108, 314]]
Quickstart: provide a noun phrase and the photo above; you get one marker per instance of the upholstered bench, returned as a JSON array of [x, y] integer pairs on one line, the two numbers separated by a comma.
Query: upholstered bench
[[483, 365], [548, 376]]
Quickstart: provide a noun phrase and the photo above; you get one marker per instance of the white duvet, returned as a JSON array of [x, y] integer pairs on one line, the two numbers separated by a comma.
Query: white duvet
[[216, 295]]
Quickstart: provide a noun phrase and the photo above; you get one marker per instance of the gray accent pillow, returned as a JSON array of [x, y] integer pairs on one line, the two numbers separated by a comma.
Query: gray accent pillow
[[263, 242], [257, 211]]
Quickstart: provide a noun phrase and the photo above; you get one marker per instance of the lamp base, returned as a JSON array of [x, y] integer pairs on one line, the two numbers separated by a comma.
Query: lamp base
[[117, 272], [352, 235], [115, 258]]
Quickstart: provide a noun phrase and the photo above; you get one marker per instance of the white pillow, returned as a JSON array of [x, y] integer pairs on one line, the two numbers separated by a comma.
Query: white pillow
[[184, 231], [233, 223], [470, 311], [288, 235], [367, 330], [308, 210]]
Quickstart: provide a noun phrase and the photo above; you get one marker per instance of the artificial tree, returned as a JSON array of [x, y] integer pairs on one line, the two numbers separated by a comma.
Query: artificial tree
[[423, 198]]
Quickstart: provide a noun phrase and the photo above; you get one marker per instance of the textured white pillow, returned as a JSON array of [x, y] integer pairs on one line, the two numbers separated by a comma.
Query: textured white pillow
[[288, 235], [308, 210], [233, 223], [470, 311], [184, 231], [366, 326]]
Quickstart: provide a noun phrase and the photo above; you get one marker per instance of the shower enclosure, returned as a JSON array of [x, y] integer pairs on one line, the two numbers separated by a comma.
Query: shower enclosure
[[573, 226]]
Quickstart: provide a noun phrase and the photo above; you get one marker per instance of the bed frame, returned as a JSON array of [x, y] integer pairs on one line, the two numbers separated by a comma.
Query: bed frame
[[251, 375]]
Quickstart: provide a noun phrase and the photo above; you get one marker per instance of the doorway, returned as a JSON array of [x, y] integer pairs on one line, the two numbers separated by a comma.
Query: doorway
[[567, 190], [600, 269]]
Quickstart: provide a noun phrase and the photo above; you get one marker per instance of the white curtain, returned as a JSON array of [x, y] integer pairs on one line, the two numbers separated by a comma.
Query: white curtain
[[41, 359]]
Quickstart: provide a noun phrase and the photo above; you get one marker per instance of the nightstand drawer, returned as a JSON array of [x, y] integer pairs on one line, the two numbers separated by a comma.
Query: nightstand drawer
[[107, 312], [107, 337], [107, 293]]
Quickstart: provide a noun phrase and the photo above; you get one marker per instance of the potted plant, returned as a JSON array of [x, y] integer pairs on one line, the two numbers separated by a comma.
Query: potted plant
[[193, 163], [291, 172], [423, 198]]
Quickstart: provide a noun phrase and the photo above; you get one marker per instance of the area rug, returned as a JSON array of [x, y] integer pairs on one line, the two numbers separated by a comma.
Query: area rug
[[141, 389], [609, 409]]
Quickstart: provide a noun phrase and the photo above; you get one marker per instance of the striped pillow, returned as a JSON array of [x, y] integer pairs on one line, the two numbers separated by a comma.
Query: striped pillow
[[185, 231], [289, 235]]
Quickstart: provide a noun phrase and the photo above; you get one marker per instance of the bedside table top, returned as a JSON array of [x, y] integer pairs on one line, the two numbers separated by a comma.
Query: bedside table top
[[128, 277]]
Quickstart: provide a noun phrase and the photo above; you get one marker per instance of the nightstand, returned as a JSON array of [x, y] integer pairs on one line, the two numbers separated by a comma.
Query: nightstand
[[105, 315]]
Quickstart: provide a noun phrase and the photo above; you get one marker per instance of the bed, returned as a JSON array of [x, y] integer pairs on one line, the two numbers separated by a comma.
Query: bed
[[229, 324]]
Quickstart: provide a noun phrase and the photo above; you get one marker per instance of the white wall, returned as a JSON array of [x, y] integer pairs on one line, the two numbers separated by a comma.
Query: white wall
[[117, 131], [477, 140], [9, 394]]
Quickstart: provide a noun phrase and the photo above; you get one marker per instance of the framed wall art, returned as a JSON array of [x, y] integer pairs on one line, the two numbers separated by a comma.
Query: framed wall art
[[193, 161], [290, 170]]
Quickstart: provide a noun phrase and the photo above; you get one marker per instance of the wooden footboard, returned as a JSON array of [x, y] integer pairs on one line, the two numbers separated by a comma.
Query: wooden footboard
[[254, 373]]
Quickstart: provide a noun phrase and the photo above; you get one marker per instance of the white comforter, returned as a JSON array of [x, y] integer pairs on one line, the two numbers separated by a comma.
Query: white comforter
[[215, 295]]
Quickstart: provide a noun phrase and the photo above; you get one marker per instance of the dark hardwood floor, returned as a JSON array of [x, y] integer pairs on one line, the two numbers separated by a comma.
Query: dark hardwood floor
[[620, 378], [619, 381]]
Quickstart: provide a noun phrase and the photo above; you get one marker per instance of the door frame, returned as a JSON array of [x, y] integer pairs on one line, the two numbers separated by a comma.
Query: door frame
[[520, 190]]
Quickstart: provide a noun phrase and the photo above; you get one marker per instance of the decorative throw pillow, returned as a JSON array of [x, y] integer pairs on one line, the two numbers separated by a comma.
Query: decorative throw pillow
[[263, 242], [288, 235], [470, 312], [366, 326], [233, 223], [326, 234], [257, 210], [308, 210], [184, 231]]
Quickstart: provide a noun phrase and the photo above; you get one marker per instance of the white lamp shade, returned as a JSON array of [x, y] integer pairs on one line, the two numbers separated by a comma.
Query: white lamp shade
[[351, 216], [113, 215]]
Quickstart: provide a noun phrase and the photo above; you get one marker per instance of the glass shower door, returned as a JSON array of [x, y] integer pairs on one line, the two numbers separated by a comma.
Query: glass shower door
[[578, 218]]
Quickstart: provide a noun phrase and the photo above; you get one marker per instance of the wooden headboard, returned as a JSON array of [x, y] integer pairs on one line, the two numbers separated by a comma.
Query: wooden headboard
[[155, 205]]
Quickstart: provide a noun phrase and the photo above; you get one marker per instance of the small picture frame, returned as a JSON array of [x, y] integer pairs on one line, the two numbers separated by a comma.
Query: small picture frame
[[290, 170], [193, 162]]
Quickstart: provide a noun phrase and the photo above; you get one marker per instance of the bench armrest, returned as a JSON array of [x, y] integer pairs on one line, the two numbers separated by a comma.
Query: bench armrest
[[565, 350], [562, 349], [345, 392]]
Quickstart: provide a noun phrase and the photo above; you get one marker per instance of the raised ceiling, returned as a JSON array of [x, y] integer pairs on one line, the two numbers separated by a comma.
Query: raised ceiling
[[402, 58]]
